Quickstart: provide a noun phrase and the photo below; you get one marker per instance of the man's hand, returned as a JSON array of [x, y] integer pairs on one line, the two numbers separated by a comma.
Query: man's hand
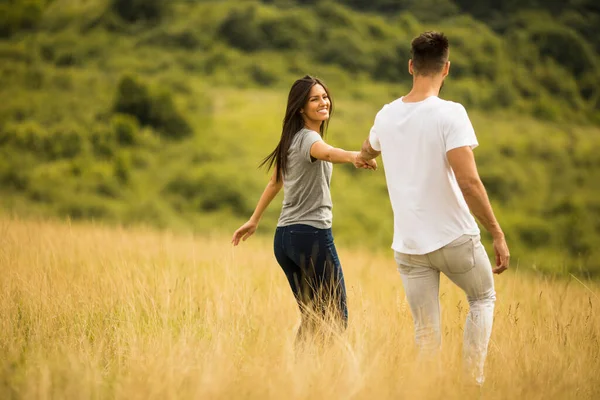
[[360, 162], [502, 255], [366, 156], [244, 232]]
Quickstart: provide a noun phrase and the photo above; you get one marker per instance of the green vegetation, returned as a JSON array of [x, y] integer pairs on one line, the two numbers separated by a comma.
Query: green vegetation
[[159, 112]]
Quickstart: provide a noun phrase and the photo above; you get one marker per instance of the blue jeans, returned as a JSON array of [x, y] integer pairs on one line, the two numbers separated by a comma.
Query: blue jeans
[[310, 262]]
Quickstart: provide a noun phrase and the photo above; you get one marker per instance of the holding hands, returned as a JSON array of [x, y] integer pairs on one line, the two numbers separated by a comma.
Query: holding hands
[[360, 162]]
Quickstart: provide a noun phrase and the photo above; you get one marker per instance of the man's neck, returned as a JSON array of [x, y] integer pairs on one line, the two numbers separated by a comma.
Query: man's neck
[[423, 88]]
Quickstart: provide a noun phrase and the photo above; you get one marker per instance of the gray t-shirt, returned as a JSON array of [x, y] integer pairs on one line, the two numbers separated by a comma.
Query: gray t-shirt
[[306, 194]]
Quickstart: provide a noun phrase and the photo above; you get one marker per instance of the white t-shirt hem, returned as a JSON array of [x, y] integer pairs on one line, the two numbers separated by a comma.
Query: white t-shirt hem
[[456, 146], [436, 246]]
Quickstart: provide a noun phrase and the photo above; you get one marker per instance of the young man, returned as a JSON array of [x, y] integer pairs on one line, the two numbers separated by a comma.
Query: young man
[[427, 148]]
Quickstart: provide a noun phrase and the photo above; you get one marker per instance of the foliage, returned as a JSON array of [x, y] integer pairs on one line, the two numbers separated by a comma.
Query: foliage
[[165, 122], [154, 108], [16, 15], [134, 10]]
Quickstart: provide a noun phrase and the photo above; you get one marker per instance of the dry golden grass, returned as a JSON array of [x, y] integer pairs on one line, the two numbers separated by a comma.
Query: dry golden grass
[[95, 312]]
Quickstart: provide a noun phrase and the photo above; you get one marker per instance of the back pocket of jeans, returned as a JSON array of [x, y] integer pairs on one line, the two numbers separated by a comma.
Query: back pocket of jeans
[[459, 256], [304, 244]]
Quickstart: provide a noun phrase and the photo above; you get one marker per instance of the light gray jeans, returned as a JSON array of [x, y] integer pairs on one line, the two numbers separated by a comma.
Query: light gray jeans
[[465, 262]]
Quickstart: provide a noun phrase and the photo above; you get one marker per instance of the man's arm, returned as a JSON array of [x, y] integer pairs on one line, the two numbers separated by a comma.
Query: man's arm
[[462, 161], [367, 152]]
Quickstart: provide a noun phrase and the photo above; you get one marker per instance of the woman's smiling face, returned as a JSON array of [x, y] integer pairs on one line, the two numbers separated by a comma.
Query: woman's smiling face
[[318, 105]]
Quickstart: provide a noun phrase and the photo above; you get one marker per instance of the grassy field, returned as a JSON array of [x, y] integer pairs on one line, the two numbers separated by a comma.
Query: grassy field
[[90, 311]]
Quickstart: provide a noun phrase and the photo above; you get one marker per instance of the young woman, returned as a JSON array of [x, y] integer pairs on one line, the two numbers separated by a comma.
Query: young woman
[[303, 244]]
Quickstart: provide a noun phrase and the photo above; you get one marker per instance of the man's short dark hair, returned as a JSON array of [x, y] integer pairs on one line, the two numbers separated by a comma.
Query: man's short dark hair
[[429, 53]]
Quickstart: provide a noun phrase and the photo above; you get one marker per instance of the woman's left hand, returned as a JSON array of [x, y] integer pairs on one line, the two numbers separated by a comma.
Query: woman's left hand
[[244, 232]]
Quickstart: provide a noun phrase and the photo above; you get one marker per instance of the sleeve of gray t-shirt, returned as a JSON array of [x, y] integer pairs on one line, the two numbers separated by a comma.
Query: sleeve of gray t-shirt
[[306, 141]]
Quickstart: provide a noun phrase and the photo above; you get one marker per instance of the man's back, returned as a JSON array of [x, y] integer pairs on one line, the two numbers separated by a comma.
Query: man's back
[[429, 208], [426, 144]]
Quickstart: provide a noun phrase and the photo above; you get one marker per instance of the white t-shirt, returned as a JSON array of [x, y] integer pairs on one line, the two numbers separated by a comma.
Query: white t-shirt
[[429, 208]]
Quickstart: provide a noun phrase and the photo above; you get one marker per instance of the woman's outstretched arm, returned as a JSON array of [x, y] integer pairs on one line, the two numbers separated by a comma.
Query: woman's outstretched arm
[[322, 151], [248, 229]]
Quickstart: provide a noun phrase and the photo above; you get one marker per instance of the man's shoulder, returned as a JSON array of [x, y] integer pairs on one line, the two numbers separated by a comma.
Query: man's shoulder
[[434, 102], [449, 111], [449, 105], [435, 107]]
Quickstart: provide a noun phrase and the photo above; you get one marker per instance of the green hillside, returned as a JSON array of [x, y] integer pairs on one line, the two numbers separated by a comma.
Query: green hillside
[[145, 111]]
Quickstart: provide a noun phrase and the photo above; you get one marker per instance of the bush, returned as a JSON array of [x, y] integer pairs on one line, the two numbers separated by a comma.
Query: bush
[[506, 182], [135, 10], [290, 31], [534, 233], [14, 170], [103, 140], [122, 167], [565, 46], [165, 117], [154, 109], [85, 207], [392, 62], [19, 14], [262, 75], [210, 189], [133, 98], [241, 29], [559, 83], [62, 141], [125, 128], [346, 49], [186, 38]]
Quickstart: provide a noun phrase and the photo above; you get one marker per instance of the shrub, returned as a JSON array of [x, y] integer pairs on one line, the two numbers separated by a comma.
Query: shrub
[[64, 141], [557, 81], [125, 128], [346, 49], [290, 31], [504, 183], [186, 38], [151, 108], [261, 75], [103, 140], [133, 98], [165, 117], [84, 207], [26, 136], [210, 189], [14, 170], [135, 10], [565, 46], [392, 62], [122, 167], [534, 233], [19, 14], [241, 29]]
